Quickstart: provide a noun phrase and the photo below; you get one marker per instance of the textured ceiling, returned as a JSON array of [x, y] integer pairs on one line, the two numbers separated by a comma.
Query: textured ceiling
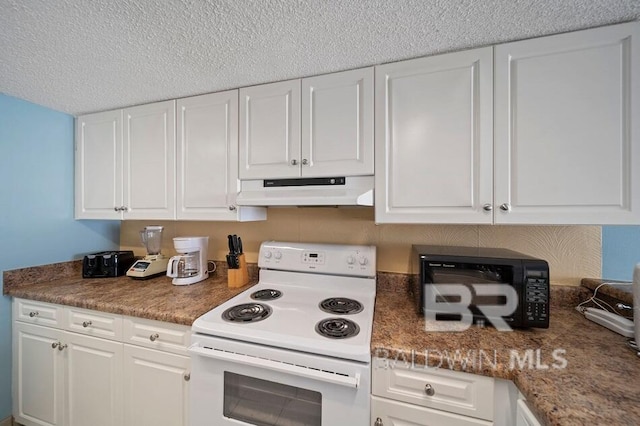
[[91, 55]]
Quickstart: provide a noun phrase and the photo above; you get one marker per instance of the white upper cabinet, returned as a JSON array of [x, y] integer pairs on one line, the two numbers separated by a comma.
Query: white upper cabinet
[[567, 128], [327, 130], [98, 166], [434, 139], [149, 147], [207, 159], [270, 130], [337, 124], [125, 163]]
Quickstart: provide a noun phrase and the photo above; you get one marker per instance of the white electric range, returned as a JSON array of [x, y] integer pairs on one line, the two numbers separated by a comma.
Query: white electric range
[[294, 349]]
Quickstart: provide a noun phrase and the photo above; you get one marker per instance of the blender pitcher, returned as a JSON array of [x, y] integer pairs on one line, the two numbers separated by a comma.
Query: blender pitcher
[[151, 237]]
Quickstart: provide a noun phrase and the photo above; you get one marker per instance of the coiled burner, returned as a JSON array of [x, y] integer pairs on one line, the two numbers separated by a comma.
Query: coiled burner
[[341, 306], [337, 328], [266, 294], [247, 312]]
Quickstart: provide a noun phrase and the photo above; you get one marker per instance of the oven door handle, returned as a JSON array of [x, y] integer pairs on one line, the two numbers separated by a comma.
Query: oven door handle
[[296, 370]]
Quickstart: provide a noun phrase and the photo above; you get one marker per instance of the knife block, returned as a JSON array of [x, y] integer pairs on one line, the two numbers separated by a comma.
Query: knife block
[[238, 277]]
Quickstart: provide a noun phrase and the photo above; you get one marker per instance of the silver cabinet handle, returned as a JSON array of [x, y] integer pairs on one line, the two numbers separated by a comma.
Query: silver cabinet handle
[[294, 162], [378, 422], [86, 324], [124, 208], [61, 347], [487, 207], [55, 345], [116, 209], [429, 390], [154, 337], [505, 207], [187, 377], [305, 161], [34, 314], [232, 208]]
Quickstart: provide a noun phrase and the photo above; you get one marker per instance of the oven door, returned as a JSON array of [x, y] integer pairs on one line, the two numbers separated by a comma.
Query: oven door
[[236, 383]]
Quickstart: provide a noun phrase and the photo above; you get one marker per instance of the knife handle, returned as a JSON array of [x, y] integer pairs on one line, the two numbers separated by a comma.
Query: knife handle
[[231, 248], [240, 246]]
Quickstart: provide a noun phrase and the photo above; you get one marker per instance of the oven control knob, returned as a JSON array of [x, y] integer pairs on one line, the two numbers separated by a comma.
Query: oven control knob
[[363, 260], [267, 255], [351, 260], [278, 255]]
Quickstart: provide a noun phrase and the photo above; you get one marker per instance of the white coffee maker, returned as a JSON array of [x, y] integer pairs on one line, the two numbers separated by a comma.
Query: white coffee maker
[[190, 265]]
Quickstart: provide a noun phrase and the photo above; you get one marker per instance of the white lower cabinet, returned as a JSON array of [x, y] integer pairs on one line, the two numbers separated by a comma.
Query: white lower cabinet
[[38, 375], [63, 374], [156, 391], [429, 396], [386, 412], [524, 415], [94, 380]]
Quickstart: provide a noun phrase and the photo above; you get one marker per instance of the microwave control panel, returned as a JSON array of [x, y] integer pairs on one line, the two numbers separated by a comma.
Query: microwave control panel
[[536, 298]]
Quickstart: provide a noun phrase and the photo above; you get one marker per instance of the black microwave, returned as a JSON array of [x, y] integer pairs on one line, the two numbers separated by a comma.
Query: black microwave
[[473, 268]]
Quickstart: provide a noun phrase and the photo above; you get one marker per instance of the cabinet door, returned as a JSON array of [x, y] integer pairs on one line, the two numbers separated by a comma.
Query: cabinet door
[[394, 413], [270, 131], [567, 148], [207, 159], [94, 381], [156, 391], [38, 375], [98, 166], [337, 124], [434, 139], [207, 156], [149, 161]]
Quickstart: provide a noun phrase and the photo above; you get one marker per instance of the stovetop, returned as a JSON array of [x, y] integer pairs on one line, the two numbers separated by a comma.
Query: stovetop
[[289, 309]]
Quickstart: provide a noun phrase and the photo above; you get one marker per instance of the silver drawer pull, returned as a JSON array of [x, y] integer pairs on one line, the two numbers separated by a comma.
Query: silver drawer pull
[[34, 314], [86, 324], [61, 347], [55, 345], [154, 337], [429, 390], [187, 377], [378, 422]]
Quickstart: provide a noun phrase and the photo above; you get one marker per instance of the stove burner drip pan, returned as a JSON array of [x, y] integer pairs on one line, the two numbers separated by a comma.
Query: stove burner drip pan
[[341, 306], [247, 312], [266, 294], [337, 328]]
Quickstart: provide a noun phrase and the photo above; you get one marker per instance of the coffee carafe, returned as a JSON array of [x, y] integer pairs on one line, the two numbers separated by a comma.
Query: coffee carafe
[[190, 265]]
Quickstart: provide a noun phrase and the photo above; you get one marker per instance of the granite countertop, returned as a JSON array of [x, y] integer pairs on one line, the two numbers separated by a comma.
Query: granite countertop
[[155, 298], [598, 385]]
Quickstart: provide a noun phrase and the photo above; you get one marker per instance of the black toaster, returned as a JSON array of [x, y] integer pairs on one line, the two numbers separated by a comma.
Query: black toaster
[[107, 264]]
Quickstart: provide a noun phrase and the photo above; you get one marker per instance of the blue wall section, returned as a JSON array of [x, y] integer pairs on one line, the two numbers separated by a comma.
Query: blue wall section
[[620, 251], [36, 199]]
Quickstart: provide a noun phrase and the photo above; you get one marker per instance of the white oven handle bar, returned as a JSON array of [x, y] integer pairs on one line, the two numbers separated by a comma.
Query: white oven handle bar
[[352, 382]]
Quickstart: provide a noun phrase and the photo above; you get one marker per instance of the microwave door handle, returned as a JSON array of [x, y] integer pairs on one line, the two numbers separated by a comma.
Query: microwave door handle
[[351, 382]]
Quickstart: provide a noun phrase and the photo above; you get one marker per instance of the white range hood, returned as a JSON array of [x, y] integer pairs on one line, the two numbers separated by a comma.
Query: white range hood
[[330, 191]]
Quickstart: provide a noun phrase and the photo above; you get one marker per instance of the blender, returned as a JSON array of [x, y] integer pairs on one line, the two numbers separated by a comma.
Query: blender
[[154, 263]]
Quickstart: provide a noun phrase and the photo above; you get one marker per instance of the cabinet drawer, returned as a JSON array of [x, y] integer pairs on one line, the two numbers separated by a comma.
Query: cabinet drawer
[[38, 313], [456, 392], [93, 323], [393, 413], [159, 335]]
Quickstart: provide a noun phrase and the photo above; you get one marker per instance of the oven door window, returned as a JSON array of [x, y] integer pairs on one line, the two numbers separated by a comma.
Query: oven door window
[[264, 403]]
